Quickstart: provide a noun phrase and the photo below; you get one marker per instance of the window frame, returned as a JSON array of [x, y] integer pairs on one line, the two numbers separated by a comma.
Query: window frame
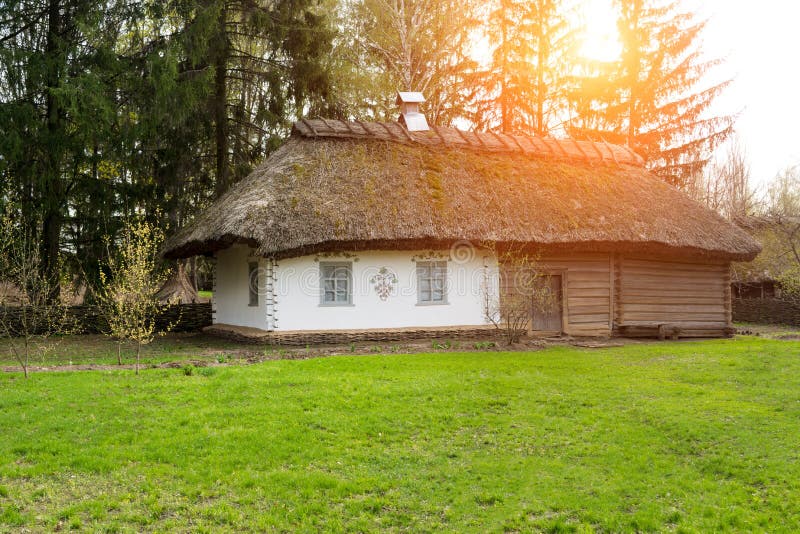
[[253, 290], [443, 264], [334, 265]]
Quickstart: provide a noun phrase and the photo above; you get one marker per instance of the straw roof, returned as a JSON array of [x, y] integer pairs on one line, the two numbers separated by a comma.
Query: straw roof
[[338, 185]]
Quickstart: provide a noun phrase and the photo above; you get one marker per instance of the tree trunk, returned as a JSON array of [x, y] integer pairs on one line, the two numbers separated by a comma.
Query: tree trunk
[[194, 272], [25, 361], [220, 103], [52, 187], [539, 128], [119, 352], [138, 353], [505, 122]]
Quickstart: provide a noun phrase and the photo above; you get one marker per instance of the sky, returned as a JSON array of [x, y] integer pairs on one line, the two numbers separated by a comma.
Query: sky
[[760, 42]]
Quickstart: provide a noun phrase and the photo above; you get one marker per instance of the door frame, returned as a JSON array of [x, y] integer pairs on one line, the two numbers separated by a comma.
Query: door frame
[[564, 308]]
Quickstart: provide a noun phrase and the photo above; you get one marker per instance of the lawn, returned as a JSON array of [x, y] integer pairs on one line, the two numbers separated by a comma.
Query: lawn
[[677, 436]]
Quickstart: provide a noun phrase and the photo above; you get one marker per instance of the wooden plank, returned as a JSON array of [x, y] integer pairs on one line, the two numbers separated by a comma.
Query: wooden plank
[[592, 292], [661, 286], [600, 319], [632, 260], [590, 332], [673, 276], [671, 260], [675, 300], [611, 291], [685, 324], [727, 298], [700, 277], [588, 301], [619, 309], [672, 317], [565, 319], [669, 292], [581, 276], [601, 309], [593, 263], [683, 308], [674, 268], [599, 259], [595, 284]]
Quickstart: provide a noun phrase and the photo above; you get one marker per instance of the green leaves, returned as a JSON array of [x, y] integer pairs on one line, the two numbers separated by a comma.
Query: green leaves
[[130, 282]]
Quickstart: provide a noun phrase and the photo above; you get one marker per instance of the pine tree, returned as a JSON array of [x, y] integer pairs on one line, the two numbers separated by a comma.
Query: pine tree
[[266, 59], [112, 109], [56, 62], [526, 86], [656, 99]]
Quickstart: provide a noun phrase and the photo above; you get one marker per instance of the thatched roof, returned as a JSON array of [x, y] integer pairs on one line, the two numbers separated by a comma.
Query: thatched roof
[[336, 185]]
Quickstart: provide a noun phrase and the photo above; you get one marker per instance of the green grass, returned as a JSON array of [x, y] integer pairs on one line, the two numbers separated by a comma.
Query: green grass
[[204, 294], [687, 436]]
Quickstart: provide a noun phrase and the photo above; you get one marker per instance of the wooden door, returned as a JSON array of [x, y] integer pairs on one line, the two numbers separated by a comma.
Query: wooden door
[[549, 319]]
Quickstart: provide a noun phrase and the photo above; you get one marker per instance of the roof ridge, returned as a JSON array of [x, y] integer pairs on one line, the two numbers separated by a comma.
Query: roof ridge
[[566, 149]]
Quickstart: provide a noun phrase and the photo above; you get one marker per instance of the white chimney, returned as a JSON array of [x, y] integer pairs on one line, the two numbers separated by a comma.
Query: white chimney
[[410, 117]]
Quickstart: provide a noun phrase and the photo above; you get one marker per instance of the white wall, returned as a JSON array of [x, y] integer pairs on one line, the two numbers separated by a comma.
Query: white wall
[[231, 295], [298, 293]]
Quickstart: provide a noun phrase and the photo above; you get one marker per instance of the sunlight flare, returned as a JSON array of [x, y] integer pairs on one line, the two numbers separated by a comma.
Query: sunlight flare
[[600, 38]]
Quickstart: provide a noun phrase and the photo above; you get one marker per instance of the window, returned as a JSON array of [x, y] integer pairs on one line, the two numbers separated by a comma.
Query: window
[[432, 282], [252, 282], [336, 282]]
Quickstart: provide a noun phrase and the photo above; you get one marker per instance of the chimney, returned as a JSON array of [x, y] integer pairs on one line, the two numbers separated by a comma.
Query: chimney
[[410, 117]]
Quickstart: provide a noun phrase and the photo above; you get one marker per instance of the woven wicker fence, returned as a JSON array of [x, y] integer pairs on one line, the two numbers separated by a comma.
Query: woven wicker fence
[[184, 317], [766, 311]]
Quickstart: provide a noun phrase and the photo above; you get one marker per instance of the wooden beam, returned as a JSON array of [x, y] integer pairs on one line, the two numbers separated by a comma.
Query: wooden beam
[[611, 292]]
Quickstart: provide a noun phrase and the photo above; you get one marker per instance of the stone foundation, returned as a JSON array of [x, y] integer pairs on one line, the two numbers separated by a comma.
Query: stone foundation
[[301, 338]]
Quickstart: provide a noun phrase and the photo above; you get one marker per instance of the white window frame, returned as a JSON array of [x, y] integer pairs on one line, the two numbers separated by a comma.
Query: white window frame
[[423, 277], [323, 265]]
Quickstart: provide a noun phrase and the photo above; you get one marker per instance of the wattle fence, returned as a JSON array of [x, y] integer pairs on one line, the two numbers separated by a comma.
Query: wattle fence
[[184, 317], [767, 311]]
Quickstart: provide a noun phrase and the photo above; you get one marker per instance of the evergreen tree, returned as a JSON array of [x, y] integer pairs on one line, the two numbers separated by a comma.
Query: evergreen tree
[[267, 62], [111, 109], [526, 86], [655, 99], [55, 65]]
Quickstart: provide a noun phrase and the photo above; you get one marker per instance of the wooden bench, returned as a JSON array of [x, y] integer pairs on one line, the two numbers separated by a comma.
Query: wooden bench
[[684, 330], [655, 329]]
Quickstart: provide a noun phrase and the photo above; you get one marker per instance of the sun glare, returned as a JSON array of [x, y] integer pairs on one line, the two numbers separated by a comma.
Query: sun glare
[[600, 39]]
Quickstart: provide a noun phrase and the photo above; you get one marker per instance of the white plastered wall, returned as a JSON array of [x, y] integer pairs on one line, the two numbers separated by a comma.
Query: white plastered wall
[[297, 288], [231, 295]]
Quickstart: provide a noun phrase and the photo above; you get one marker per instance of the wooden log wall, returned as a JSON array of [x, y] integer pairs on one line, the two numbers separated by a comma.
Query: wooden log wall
[[692, 295], [588, 291]]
